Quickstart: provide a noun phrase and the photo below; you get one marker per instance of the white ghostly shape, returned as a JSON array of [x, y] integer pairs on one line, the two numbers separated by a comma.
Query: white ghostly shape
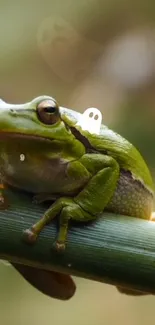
[[22, 157], [91, 120]]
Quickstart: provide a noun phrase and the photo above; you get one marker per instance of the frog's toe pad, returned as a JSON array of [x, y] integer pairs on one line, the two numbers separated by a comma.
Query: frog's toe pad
[[29, 236], [59, 246]]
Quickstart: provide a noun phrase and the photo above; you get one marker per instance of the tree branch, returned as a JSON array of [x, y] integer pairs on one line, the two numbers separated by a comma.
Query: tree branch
[[114, 249]]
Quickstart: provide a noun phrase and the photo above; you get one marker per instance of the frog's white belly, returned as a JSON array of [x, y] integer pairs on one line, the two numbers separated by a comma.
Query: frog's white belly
[[36, 175]]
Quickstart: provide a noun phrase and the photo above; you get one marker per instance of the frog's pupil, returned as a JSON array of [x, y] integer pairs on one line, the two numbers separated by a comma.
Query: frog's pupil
[[50, 109]]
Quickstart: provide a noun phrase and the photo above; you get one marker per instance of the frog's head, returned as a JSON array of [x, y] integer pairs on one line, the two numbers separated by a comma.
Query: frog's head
[[42, 117]]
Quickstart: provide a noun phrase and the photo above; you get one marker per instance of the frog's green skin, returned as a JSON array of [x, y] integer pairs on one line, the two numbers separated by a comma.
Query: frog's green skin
[[87, 173]]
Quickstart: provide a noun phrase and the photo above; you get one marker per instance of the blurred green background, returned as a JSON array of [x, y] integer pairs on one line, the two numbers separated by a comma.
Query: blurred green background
[[84, 53]]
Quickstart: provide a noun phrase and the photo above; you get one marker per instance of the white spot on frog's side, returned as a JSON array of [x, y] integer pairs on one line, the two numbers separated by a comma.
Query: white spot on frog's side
[[69, 264], [22, 157], [91, 120]]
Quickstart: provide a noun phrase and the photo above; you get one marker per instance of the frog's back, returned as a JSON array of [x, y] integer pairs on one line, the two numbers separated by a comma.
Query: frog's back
[[135, 190], [113, 144], [125, 153]]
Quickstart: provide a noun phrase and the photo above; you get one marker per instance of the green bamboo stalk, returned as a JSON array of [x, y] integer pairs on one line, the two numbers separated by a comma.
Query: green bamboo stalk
[[114, 249]]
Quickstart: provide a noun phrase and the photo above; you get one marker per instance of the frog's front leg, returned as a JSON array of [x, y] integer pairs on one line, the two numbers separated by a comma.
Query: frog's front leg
[[91, 201]]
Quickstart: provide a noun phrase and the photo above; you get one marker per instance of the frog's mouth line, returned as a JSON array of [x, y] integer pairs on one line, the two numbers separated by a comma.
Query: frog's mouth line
[[74, 131], [16, 135]]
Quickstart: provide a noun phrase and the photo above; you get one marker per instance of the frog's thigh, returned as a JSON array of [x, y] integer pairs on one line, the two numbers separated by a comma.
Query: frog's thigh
[[95, 195], [88, 203], [99, 190], [67, 209], [75, 212]]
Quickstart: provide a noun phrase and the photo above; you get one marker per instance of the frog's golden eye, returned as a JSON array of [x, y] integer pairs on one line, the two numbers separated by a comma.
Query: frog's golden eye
[[48, 111]]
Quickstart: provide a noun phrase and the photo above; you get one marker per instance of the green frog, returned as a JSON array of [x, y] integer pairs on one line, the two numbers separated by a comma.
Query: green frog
[[45, 151]]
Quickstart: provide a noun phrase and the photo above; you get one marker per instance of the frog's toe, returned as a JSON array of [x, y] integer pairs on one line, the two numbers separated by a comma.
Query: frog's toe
[[59, 246], [29, 236]]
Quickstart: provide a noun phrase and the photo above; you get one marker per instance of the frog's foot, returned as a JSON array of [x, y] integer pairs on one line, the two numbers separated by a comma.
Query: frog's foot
[[59, 246], [67, 209], [30, 236]]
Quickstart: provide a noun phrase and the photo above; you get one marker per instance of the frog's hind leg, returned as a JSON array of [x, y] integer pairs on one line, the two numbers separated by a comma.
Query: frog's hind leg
[[67, 209], [85, 206]]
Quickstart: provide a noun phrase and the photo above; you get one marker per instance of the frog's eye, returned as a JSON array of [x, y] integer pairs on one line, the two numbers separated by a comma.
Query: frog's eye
[[48, 111]]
